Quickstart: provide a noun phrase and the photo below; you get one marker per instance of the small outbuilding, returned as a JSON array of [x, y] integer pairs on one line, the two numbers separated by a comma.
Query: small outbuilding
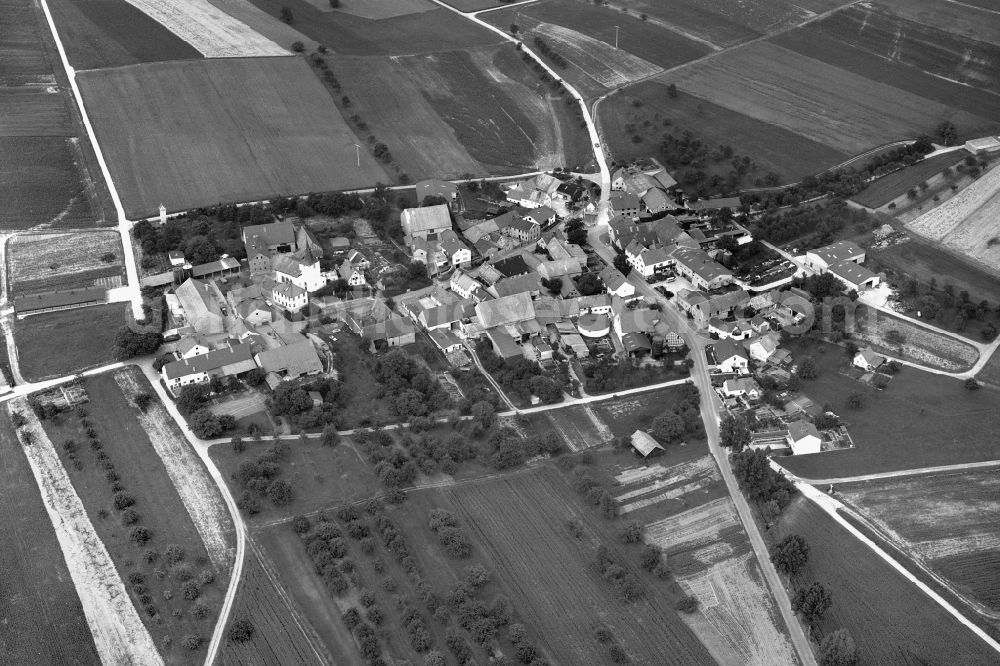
[[644, 443]]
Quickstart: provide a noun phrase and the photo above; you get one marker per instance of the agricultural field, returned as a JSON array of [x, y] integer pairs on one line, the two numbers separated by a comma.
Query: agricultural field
[[919, 420], [646, 111], [54, 344], [113, 33], [778, 86], [897, 184], [479, 111], [890, 619], [431, 31], [521, 522], [46, 262], [473, 5], [990, 372], [41, 601], [920, 345], [43, 166], [191, 580], [280, 634], [269, 26], [947, 523], [965, 19], [189, 122], [584, 34]]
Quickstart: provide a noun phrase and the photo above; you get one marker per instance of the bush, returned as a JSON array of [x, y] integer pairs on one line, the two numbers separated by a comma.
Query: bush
[[190, 590], [617, 655], [687, 604], [301, 524], [174, 554], [123, 500], [150, 555], [280, 492], [248, 504], [200, 610], [631, 533], [241, 630], [191, 642], [140, 535]]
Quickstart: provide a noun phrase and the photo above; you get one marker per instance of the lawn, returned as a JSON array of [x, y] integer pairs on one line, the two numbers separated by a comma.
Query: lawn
[[947, 522], [61, 343], [890, 619], [40, 600], [896, 184], [781, 87], [142, 475], [189, 122], [920, 420], [112, 33], [280, 635], [646, 111], [423, 32], [321, 476], [44, 262]]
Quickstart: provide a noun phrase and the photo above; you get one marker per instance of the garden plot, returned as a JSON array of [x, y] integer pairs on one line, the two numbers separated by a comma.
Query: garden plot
[[197, 491], [63, 261], [693, 528], [665, 483], [209, 30], [741, 611], [579, 427], [610, 67], [119, 634]]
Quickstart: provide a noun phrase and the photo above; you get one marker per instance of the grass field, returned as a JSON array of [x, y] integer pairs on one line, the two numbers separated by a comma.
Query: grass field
[[112, 33], [39, 262], [891, 620], [424, 32], [646, 111], [946, 522], [40, 600], [142, 474], [920, 420], [190, 122], [778, 86], [896, 184], [277, 637], [61, 343]]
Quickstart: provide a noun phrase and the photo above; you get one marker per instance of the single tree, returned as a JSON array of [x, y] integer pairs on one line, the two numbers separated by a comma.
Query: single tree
[[672, 91], [735, 432], [807, 369], [812, 602], [790, 554], [242, 629], [971, 384], [621, 263], [286, 15], [838, 649], [856, 400]]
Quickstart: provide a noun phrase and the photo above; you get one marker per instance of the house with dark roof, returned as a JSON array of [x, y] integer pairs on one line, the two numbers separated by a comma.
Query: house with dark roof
[[701, 270], [509, 267], [291, 361], [227, 362], [624, 203], [729, 356], [52, 301], [616, 283], [822, 258], [868, 360], [263, 241]]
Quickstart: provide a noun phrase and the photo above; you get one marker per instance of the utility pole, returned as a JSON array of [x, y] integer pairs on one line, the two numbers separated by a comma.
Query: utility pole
[[616, 36], [357, 149]]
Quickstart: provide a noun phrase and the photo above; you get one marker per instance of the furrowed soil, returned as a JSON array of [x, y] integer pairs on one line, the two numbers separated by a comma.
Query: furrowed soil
[[40, 599], [890, 619]]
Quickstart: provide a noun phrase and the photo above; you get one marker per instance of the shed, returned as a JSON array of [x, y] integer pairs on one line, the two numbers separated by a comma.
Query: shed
[[644, 443]]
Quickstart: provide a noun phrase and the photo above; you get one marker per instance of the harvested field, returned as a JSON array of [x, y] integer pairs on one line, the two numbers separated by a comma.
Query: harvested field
[[211, 31], [778, 86], [977, 235], [190, 122], [119, 634], [425, 32], [39, 262], [40, 600], [277, 638], [920, 420], [143, 474], [33, 111], [940, 222], [929, 48], [112, 33], [890, 619], [197, 491], [645, 110], [271, 27], [694, 528], [948, 523], [896, 184], [520, 522], [921, 345], [54, 344], [41, 180]]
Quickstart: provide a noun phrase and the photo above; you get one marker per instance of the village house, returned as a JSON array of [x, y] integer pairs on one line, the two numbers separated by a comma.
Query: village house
[[762, 348], [289, 296], [290, 361], [438, 188], [701, 270], [703, 308], [463, 284], [648, 262], [199, 369], [616, 283], [623, 203], [730, 357], [868, 360], [421, 222], [301, 268], [351, 274], [201, 309], [263, 241], [803, 438], [542, 215], [742, 386]]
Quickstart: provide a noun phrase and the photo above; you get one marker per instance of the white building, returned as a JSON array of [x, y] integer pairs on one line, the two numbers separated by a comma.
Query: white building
[[803, 438]]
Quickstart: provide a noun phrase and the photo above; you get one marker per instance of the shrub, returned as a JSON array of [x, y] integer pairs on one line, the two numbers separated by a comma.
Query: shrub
[[110, 476], [248, 504], [174, 554], [351, 618], [140, 535], [241, 630], [123, 500], [301, 524], [280, 492], [190, 590], [136, 578], [617, 655], [603, 635], [631, 533], [150, 555], [688, 604], [191, 642], [476, 576], [130, 516], [183, 572], [200, 610], [149, 609], [207, 577]]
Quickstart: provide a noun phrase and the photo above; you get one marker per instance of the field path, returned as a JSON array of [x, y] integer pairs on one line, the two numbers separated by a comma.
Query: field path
[[835, 507], [119, 634], [918, 471]]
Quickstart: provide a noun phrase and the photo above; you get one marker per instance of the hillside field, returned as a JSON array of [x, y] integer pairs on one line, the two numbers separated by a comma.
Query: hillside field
[[890, 619], [189, 123], [40, 600], [948, 523]]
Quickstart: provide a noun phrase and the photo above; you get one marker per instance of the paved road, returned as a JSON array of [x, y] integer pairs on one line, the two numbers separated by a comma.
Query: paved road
[[834, 509]]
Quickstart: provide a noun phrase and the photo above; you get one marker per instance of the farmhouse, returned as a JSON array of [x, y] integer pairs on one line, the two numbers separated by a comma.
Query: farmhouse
[[709, 205], [351, 274], [560, 249], [507, 310], [528, 283], [822, 258], [262, 241], [227, 362], [623, 203], [616, 283], [729, 357], [446, 341], [803, 438], [193, 345], [301, 269], [395, 331], [762, 348], [504, 344], [541, 215], [201, 310], [463, 284], [703, 307], [421, 222], [648, 261], [644, 443], [742, 386], [983, 146], [868, 360], [290, 361]]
